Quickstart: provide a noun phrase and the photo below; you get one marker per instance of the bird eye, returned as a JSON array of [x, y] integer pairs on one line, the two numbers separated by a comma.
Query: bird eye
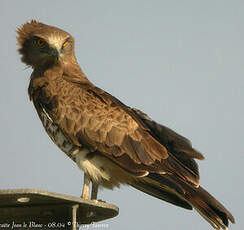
[[40, 42], [65, 44]]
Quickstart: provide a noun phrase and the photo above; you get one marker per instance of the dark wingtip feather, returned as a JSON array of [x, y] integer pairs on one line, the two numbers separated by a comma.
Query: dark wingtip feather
[[161, 193], [211, 209]]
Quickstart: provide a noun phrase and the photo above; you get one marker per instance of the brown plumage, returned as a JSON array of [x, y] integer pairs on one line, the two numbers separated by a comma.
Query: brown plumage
[[113, 143]]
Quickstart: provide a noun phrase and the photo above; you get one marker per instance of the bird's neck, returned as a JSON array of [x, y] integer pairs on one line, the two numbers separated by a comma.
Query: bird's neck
[[70, 71], [73, 73], [58, 69]]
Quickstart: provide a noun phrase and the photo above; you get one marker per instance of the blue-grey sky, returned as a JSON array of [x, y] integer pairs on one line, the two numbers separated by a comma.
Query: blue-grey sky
[[181, 62]]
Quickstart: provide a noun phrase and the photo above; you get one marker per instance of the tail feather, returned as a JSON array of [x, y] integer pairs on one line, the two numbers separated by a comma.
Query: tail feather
[[179, 193], [211, 209], [162, 193]]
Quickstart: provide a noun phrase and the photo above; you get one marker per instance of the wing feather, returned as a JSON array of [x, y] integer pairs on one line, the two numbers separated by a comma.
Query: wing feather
[[180, 148], [127, 136]]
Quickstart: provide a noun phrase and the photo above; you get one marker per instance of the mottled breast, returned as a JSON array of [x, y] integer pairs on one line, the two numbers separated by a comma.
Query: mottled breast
[[57, 136]]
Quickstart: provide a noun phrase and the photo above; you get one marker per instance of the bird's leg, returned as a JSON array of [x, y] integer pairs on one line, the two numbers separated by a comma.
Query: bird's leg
[[94, 191], [86, 187]]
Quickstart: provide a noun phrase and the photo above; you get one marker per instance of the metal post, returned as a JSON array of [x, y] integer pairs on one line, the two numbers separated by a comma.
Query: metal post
[[74, 216], [34, 209]]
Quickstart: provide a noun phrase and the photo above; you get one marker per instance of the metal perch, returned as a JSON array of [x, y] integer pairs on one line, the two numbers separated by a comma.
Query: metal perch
[[35, 209]]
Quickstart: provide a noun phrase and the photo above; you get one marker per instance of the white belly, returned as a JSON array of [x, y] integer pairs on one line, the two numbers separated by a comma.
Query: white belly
[[101, 170], [95, 167]]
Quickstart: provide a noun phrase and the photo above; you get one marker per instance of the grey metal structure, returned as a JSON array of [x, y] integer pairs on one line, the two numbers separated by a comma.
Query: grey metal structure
[[35, 209]]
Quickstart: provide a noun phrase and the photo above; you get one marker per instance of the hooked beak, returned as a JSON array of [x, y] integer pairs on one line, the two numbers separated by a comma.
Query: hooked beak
[[53, 52]]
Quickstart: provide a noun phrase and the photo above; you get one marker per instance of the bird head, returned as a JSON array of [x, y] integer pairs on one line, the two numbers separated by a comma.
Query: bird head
[[42, 46]]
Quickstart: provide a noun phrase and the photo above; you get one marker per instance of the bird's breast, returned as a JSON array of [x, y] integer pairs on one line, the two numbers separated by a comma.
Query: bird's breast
[[57, 136]]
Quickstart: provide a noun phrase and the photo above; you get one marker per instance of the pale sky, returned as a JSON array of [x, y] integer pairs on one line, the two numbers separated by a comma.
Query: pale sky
[[181, 62]]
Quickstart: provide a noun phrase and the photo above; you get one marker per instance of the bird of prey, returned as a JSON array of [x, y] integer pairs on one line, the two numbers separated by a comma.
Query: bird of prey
[[112, 143]]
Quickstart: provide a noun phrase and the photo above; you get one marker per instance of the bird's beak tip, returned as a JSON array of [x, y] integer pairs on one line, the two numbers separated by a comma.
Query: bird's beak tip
[[54, 53]]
